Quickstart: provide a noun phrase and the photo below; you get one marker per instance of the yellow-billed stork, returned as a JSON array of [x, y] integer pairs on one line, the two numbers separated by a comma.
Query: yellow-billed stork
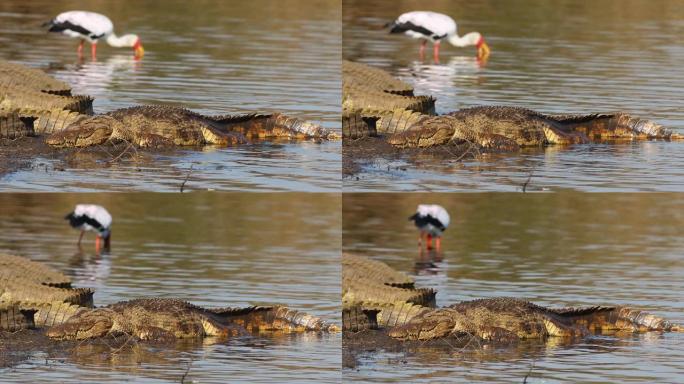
[[432, 220], [93, 27], [91, 217], [436, 27]]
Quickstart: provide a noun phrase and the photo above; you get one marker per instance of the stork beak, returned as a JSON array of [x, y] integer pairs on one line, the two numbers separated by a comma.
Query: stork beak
[[483, 50], [139, 50]]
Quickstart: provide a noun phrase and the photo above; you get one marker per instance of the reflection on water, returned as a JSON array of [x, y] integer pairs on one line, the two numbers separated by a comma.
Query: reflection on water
[[240, 57], [565, 249], [211, 249], [556, 57]]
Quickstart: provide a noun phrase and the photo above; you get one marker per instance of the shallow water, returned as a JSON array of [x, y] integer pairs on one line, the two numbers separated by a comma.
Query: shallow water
[[211, 249], [238, 58], [565, 249], [564, 56]]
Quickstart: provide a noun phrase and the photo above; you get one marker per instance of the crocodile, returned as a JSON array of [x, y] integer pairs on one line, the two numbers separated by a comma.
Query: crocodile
[[42, 291], [384, 296], [46, 107], [510, 128], [158, 126], [156, 319], [35, 295], [509, 319], [377, 104], [496, 319]]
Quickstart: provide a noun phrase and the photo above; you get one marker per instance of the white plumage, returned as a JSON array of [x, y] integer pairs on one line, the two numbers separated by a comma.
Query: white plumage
[[435, 27], [92, 27], [91, 217], [432, 219]]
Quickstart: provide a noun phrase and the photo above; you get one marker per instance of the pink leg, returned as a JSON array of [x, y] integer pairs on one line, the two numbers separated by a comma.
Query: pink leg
[[80, 238], [420, 239], [422, 50], [429, 241], [435, 52], [438, 244], [93, 51], [80, 49], [98, 240]]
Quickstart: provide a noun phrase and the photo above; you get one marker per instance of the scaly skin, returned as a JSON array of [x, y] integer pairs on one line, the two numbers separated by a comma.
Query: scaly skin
[[356, 318], [31, 79], [52, 313], [13, 317], [509, 128], [13, 97], [365, 268], [18, 289], [14, 126], [362, 98], [356, 126], [374, 78], [158, 126], [508, 319], [153, 319], [32, 271], [385, 315], [358, 290]]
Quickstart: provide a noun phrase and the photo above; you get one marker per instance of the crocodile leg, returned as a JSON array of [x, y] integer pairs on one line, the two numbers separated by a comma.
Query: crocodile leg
[[14, 318]]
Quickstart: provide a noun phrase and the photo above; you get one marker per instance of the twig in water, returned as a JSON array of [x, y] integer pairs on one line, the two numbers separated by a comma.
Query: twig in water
[[182, 186], [187, 370], [528, 373], [527, 182]]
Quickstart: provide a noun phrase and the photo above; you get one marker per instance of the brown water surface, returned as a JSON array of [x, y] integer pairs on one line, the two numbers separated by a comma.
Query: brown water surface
[[567, 56], [215, 57], [565, 249], [214, 250]]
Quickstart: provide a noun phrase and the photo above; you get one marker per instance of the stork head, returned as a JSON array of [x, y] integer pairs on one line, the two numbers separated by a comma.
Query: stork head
[[482, 47], [138, 48]]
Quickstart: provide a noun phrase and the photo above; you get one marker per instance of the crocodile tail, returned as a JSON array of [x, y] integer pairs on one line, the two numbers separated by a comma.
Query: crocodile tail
[[53, 313], [299, 319], [13, 317], [304, 129], [600, 318], [275, 318], [13, 125], [356, 126], [356, 318]]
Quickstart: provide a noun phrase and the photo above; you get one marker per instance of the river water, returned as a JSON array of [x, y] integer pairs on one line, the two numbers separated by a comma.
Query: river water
[[214, 250], [214, 57], [566, 56], [565, 249]]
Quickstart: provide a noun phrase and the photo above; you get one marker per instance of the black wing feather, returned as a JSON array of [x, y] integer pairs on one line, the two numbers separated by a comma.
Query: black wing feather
[[66, 25], [409, 26], [77, 221]]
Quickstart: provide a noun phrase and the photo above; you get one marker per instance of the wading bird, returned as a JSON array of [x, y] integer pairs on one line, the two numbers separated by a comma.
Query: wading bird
[[431, 220], [436, 27], [90, 217], [93, 27]]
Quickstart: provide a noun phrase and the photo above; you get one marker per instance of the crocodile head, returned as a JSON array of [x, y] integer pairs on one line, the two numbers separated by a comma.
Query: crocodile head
[[433, 131], [85, 325], [89, 131]]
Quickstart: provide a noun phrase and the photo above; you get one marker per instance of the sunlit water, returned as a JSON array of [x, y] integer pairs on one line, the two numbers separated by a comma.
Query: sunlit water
[[215, 57], [214, 250], [565, 249], [558, 57]]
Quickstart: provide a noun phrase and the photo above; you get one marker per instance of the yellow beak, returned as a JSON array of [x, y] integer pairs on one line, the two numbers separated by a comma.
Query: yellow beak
[[483, 51], [139, 52]]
